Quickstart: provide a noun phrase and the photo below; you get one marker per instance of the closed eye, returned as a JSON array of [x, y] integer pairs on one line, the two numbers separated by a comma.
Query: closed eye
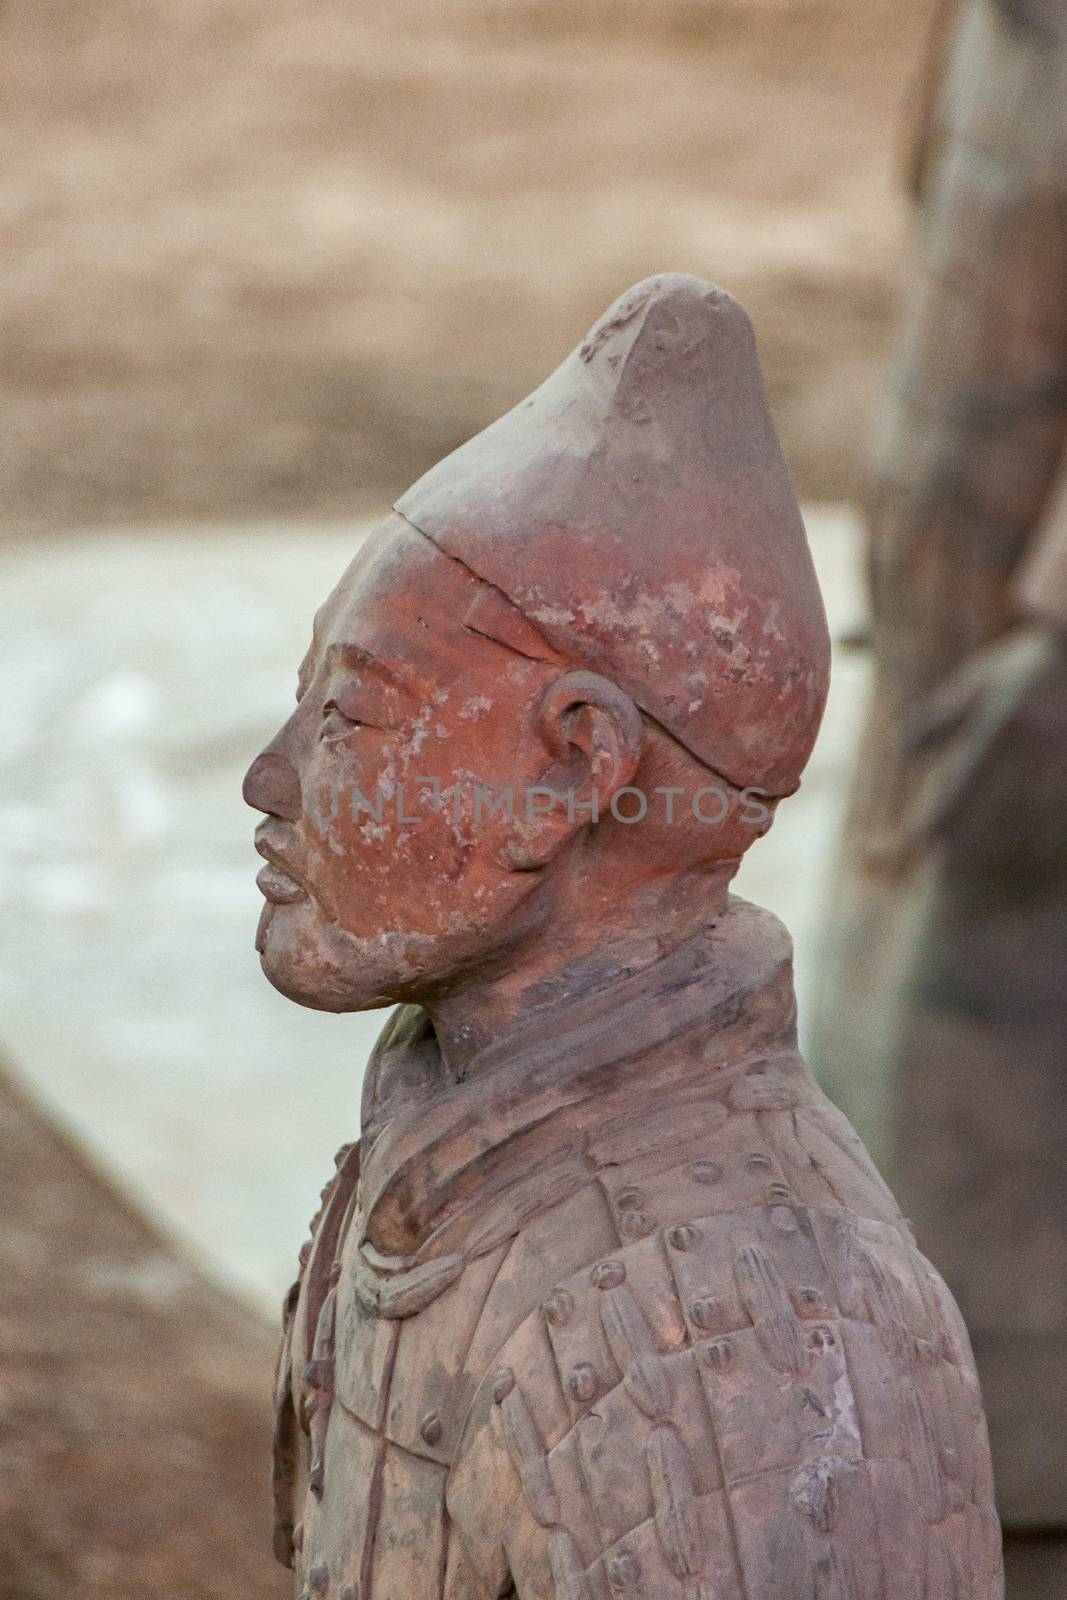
[[335, 725]]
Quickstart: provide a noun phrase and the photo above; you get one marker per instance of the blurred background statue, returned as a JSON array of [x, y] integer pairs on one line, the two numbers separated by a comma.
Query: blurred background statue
[[943, 1022]]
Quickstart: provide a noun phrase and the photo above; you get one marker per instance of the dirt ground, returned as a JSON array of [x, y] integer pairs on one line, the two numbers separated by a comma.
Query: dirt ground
[[276, 256], [136, 1430]]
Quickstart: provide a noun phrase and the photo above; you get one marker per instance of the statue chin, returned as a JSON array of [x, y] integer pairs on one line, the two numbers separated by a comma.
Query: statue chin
[[319, 967], [309, 960]]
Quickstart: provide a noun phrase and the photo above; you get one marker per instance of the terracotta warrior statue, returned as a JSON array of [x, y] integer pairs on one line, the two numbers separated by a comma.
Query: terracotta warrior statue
[[608, 1301]]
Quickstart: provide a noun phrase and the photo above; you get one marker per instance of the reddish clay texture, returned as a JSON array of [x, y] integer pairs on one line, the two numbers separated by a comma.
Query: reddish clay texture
[[609, 1299]]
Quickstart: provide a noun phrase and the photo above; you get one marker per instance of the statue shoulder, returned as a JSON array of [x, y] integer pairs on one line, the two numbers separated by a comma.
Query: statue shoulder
[[773, 1386]]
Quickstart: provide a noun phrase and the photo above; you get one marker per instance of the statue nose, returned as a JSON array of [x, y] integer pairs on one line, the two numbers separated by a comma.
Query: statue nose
[[271, 785]]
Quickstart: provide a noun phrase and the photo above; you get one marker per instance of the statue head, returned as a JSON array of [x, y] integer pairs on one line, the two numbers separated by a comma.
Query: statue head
[[581, 661]]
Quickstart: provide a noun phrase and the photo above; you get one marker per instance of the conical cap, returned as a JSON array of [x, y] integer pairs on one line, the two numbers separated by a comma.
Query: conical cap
[[636, 507]]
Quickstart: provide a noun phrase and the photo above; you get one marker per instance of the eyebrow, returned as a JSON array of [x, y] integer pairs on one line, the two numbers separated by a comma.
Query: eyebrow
[[354, 656]]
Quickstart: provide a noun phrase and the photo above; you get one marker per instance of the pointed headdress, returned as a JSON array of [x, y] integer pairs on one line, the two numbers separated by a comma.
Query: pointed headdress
[[637, 509]]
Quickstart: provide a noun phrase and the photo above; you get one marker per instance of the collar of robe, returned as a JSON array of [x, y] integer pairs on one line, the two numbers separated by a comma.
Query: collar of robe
[[455, 1172]]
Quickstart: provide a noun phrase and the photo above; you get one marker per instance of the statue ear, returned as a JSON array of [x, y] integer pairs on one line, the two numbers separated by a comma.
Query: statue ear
[[592, 733]]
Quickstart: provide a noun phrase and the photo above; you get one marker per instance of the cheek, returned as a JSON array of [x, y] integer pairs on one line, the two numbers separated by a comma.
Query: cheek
[[411, 829], [345, 821], [378, 826]]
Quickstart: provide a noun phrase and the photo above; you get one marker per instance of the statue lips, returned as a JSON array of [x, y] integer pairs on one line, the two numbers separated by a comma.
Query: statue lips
[[277, 881]]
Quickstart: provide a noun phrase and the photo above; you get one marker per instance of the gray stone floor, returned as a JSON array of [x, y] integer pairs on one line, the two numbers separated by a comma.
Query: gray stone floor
[[142, 670]]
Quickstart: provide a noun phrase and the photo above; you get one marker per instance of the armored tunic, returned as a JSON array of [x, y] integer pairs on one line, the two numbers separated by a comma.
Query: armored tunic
[[629, 1312]]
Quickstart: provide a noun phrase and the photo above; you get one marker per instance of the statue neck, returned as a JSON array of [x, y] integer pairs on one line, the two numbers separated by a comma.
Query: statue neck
[[596, 937]]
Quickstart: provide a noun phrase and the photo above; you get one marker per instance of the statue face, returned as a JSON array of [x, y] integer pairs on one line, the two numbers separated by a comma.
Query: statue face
[[384, 871]]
